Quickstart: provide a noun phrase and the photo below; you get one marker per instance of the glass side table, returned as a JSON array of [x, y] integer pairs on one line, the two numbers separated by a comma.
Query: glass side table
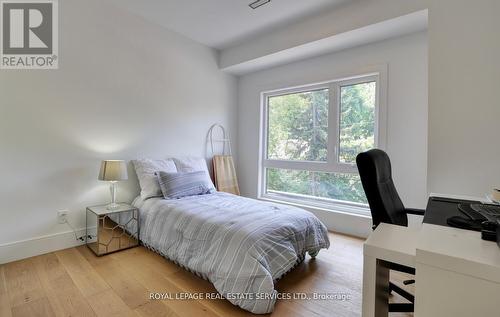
[[112, 230]]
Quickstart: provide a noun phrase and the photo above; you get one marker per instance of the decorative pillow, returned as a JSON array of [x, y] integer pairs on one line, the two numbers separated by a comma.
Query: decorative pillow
[[192, 164], [146, 169], [177, 185]]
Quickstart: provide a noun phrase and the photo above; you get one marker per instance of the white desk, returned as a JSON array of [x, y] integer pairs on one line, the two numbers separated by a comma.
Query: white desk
[[457, 273], [387, 243]]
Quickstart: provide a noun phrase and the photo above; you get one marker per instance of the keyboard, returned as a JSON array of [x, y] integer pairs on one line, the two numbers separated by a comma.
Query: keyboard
[[487, 209], [473, 214]]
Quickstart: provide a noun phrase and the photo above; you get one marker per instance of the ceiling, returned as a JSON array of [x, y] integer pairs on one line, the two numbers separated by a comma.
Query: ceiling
[[224, 23]]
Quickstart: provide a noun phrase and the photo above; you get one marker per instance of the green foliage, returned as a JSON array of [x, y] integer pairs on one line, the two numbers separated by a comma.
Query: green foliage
[[357, 120], [339, 186], [298, 126], [298, 130]]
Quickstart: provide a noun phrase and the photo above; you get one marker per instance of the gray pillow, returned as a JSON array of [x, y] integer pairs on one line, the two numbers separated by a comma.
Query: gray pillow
[[177, 185]]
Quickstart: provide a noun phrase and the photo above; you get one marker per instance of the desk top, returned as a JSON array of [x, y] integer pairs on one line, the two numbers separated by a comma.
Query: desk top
[[392, 243], [441, 207]]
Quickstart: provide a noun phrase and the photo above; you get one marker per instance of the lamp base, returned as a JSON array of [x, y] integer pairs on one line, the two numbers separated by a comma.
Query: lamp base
[[112, 206], [112, 189]]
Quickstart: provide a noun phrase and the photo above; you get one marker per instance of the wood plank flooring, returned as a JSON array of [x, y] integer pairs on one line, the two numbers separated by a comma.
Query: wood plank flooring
[[74, 282]]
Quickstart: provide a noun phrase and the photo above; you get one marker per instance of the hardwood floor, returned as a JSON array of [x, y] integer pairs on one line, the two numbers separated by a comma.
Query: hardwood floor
[[74, 282]]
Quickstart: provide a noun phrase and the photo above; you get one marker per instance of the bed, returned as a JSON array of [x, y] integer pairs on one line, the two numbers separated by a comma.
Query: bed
[[240, 245]]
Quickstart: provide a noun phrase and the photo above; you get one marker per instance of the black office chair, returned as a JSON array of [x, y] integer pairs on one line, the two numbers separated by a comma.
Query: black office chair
[[375, 171]]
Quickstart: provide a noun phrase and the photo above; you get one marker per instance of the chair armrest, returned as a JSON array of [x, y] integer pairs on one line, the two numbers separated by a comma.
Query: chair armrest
[[413, 211]]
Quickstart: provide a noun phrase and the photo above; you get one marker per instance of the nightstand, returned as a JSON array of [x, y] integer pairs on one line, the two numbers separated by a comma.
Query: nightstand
[[112, 230]]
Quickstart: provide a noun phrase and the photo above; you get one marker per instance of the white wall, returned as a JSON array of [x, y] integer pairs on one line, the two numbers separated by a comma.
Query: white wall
[[406, 58], [464, 102], [124, 89]]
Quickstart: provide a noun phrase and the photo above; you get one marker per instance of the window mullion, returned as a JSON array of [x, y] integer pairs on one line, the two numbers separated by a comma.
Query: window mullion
[[333, 126]]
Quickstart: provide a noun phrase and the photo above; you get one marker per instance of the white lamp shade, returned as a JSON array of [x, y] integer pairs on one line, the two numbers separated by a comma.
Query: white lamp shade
[[113, 170]]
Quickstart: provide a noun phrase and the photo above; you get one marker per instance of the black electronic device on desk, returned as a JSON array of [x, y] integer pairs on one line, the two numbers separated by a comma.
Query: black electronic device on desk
[[439, 209], [481, 217], [465, 214], [491, 227]]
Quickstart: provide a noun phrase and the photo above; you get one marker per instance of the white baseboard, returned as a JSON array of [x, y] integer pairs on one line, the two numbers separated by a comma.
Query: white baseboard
[[18, 250]]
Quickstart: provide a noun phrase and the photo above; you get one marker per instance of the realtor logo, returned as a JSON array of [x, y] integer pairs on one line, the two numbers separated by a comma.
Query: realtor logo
[[29, 34]]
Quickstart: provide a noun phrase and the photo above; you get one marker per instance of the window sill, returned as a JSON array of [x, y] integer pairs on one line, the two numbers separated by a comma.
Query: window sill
[[346, 209]]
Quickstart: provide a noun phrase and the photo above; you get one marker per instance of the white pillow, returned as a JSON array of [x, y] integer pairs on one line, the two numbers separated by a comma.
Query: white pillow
[[146, 169], [192, 164]]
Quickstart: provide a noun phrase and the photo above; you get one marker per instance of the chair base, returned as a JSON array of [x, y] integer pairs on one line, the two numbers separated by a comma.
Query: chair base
[[401, 308], [409, 297]]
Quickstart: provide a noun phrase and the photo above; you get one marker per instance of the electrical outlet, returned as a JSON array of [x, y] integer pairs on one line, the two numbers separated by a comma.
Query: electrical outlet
[[62, 215]]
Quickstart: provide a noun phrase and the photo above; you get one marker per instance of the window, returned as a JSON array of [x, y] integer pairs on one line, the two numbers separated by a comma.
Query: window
[[310, 138]]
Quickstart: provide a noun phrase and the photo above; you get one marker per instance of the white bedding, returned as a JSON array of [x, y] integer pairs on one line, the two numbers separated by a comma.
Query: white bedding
[[241, 245]]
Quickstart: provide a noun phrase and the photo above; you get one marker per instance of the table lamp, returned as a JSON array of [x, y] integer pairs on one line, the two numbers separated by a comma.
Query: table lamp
[[113, 171]]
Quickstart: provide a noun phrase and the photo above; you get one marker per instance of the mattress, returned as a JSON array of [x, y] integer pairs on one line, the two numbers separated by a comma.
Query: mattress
[[240, 245]]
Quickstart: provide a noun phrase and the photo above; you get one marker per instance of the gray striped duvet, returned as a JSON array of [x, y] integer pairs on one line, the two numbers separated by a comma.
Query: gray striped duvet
[[239, 244]]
